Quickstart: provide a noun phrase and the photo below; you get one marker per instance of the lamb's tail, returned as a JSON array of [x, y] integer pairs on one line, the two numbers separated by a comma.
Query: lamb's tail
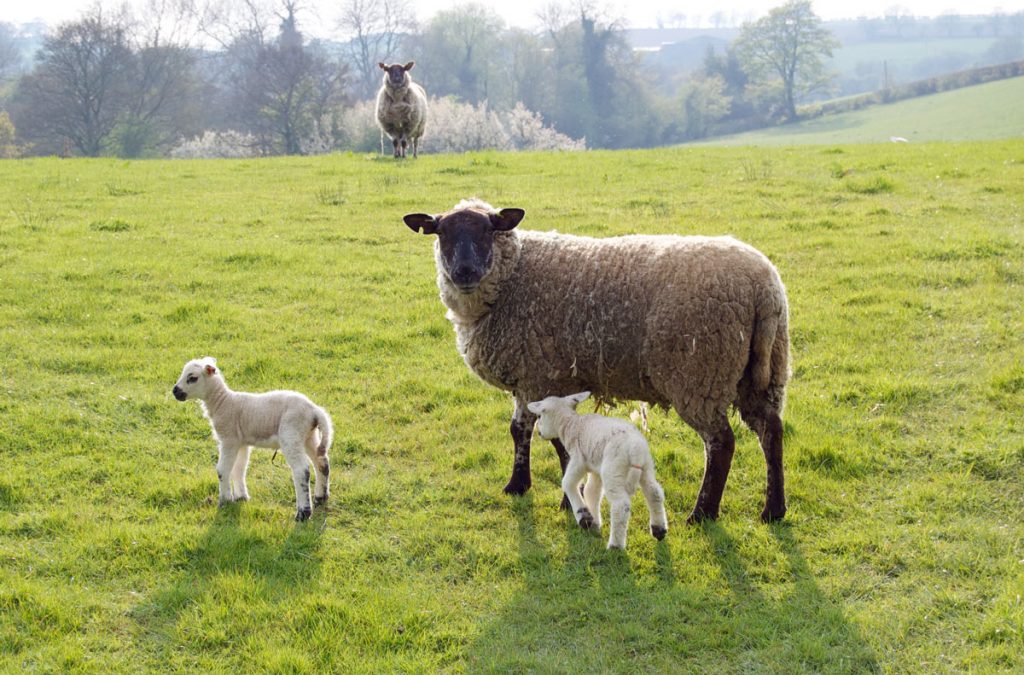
[[322, 420]]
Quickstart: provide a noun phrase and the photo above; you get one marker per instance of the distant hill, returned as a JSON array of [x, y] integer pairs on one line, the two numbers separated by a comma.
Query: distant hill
[[983, 112]]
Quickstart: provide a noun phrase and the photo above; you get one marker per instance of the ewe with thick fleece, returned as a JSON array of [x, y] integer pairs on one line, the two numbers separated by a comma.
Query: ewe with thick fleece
[[695, 323], [401, 108], [277, 419], [615, 455]]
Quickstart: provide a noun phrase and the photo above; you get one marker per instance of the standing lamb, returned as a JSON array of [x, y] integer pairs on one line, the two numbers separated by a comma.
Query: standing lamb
[[617, 458], [696, 323], [401, 108], [277, 419]]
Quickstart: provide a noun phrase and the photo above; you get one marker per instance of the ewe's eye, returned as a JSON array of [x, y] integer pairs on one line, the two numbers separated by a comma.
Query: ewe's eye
[[192, 379]]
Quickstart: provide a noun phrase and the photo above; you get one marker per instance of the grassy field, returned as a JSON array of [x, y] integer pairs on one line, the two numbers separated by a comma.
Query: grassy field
[[988, 111], [903, 56], [903, 550]]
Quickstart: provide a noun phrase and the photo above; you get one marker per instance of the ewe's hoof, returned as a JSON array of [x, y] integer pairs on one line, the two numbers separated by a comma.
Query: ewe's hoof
[[320, 501], [517, 487], [586, 520], [698, 516], [303, 515], [771, 515], [658, 532]]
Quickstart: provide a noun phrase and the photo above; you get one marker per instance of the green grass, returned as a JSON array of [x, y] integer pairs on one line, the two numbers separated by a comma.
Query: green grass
[[903, 55], [988, 111], [903, 550]]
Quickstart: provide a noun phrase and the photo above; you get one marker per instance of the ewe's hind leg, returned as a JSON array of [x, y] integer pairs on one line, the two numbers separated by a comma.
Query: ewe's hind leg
[[322, 466], [592, 495], [767, 425], [719, 444], [225, 464], [574, 473], [241, 490], [618, 507], [655, 497], [394, 141], [299, 464]]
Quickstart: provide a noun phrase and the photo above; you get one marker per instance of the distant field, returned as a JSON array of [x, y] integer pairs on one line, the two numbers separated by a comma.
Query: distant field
[[903, 550], [983, 112], [903, 56]]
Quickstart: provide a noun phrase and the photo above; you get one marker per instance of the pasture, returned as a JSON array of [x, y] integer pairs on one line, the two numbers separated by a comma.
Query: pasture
[[903, 550]]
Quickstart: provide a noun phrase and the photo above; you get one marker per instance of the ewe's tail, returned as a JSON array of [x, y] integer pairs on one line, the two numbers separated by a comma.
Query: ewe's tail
[[322, 420], [769, 345]]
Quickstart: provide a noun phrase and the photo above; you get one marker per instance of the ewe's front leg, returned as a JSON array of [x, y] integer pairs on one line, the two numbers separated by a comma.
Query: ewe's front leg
[[522, 431], [299, 464], [225, 465]]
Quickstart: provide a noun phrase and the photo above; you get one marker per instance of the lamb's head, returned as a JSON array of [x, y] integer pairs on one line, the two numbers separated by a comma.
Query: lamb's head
[[466, 239], [396, 75], [195, 379], [553, 409]]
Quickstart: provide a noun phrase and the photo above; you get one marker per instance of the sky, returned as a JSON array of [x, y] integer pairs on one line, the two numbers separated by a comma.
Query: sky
[[635, 13]]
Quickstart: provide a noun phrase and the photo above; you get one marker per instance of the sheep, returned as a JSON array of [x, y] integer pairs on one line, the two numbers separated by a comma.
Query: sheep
[[401, 108], [276, 419], [698, 324], [616, 456]]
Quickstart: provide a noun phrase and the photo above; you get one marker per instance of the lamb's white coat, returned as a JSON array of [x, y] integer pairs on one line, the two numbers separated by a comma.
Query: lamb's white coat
[[277, 419], [616, 456]]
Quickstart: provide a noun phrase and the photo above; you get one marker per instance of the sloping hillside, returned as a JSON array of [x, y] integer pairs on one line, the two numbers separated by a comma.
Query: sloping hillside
[[983, 112]]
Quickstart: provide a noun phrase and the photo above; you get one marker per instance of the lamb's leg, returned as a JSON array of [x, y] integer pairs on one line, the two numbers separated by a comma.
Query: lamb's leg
[[719, 444], [522, 431], [241, 490], [322, 466], [225, 463], [299, 464], [655, 497], [574, 473], [593, 492], [618, 510]]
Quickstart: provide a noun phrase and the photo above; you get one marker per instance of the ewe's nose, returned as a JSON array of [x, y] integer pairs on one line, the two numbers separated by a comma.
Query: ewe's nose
[[464, 275]]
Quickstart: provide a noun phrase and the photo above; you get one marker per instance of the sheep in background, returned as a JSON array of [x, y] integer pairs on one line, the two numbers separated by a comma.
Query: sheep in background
[[616, 456], [696, 323], [277, 419], [401, 108]]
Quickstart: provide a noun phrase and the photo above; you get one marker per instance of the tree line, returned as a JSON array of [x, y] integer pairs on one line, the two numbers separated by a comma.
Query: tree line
[[137, 84]]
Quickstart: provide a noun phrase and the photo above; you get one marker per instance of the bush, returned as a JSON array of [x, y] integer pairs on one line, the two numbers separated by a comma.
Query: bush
[[217, 144]]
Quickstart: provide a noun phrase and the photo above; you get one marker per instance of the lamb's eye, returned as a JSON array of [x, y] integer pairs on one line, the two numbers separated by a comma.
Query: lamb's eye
[[192, 379]]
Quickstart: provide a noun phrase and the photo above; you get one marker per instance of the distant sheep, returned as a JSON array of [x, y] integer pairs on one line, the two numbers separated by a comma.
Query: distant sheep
[[696, 323], [616, 456], [277, 419], [401, 108]]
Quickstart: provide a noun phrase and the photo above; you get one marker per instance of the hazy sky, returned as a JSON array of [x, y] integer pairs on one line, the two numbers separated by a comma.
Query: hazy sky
[[636, 13]]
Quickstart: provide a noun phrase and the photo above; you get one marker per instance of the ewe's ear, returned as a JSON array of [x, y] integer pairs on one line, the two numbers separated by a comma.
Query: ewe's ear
[[381, 65], [579, 398], [421, 222], [409, 65], [536, 407], [506, 219]]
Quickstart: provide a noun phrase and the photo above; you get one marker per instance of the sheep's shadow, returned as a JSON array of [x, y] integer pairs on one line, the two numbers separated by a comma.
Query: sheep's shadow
[[228, 570], [589, 608]]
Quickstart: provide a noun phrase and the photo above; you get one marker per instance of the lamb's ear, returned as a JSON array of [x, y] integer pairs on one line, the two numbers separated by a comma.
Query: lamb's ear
[[506, 219], [409, 65], [421, 222], [537, 407], [381, 65], [579, 398]]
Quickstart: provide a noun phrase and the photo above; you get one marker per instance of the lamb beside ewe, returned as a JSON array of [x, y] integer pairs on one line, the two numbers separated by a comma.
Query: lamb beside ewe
[[695, 323], [615, 455], [401, 108], [277, 419]]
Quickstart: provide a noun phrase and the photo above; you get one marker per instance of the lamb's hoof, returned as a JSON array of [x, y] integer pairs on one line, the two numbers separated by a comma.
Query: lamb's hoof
[[517, 487], [773, 514], [303, 515], [616, 547], [320, 501], [242, 498], [658, 532], [699, 516], [586, 520]]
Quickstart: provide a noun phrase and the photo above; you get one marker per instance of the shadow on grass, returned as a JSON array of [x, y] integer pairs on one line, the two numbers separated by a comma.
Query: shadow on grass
[[598, 610], [230, 583]]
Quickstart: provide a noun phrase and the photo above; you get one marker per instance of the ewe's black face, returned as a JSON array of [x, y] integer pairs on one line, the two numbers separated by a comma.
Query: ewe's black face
[[395, 74], [466, 238]]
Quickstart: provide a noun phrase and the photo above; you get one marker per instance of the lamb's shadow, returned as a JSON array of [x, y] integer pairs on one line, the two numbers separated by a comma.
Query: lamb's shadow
[[592, 609], [230, 569]]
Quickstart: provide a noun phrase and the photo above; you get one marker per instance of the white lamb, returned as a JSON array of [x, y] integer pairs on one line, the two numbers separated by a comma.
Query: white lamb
[[277, 419], [615, 454]]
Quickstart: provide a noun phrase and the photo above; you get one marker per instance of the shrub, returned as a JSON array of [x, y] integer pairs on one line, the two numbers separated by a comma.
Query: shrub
[[217, 144]]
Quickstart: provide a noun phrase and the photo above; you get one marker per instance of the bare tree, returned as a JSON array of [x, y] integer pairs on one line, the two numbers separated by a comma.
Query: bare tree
[[376, 29], [10, 54]]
